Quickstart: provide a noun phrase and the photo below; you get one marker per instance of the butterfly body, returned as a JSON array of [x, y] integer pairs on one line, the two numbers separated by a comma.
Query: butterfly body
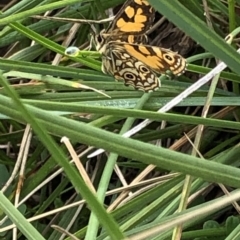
[[125, 55]]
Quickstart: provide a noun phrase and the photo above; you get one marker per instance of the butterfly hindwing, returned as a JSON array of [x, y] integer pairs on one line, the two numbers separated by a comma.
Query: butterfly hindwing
[[127, 68]]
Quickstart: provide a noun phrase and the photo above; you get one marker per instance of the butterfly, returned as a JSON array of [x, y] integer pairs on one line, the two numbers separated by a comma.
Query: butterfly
[[125, 54]]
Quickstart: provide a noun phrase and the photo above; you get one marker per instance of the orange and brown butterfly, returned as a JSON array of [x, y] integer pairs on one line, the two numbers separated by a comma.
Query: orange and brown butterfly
[[124, 55]]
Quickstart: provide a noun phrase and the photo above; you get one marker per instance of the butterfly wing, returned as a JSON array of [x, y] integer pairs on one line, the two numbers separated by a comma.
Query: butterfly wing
[[129, 25], [134, 18], [129, 69]]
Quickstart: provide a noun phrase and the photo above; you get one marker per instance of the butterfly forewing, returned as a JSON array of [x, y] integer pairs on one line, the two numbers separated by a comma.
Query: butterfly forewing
[[134, 18], [130, 24]]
